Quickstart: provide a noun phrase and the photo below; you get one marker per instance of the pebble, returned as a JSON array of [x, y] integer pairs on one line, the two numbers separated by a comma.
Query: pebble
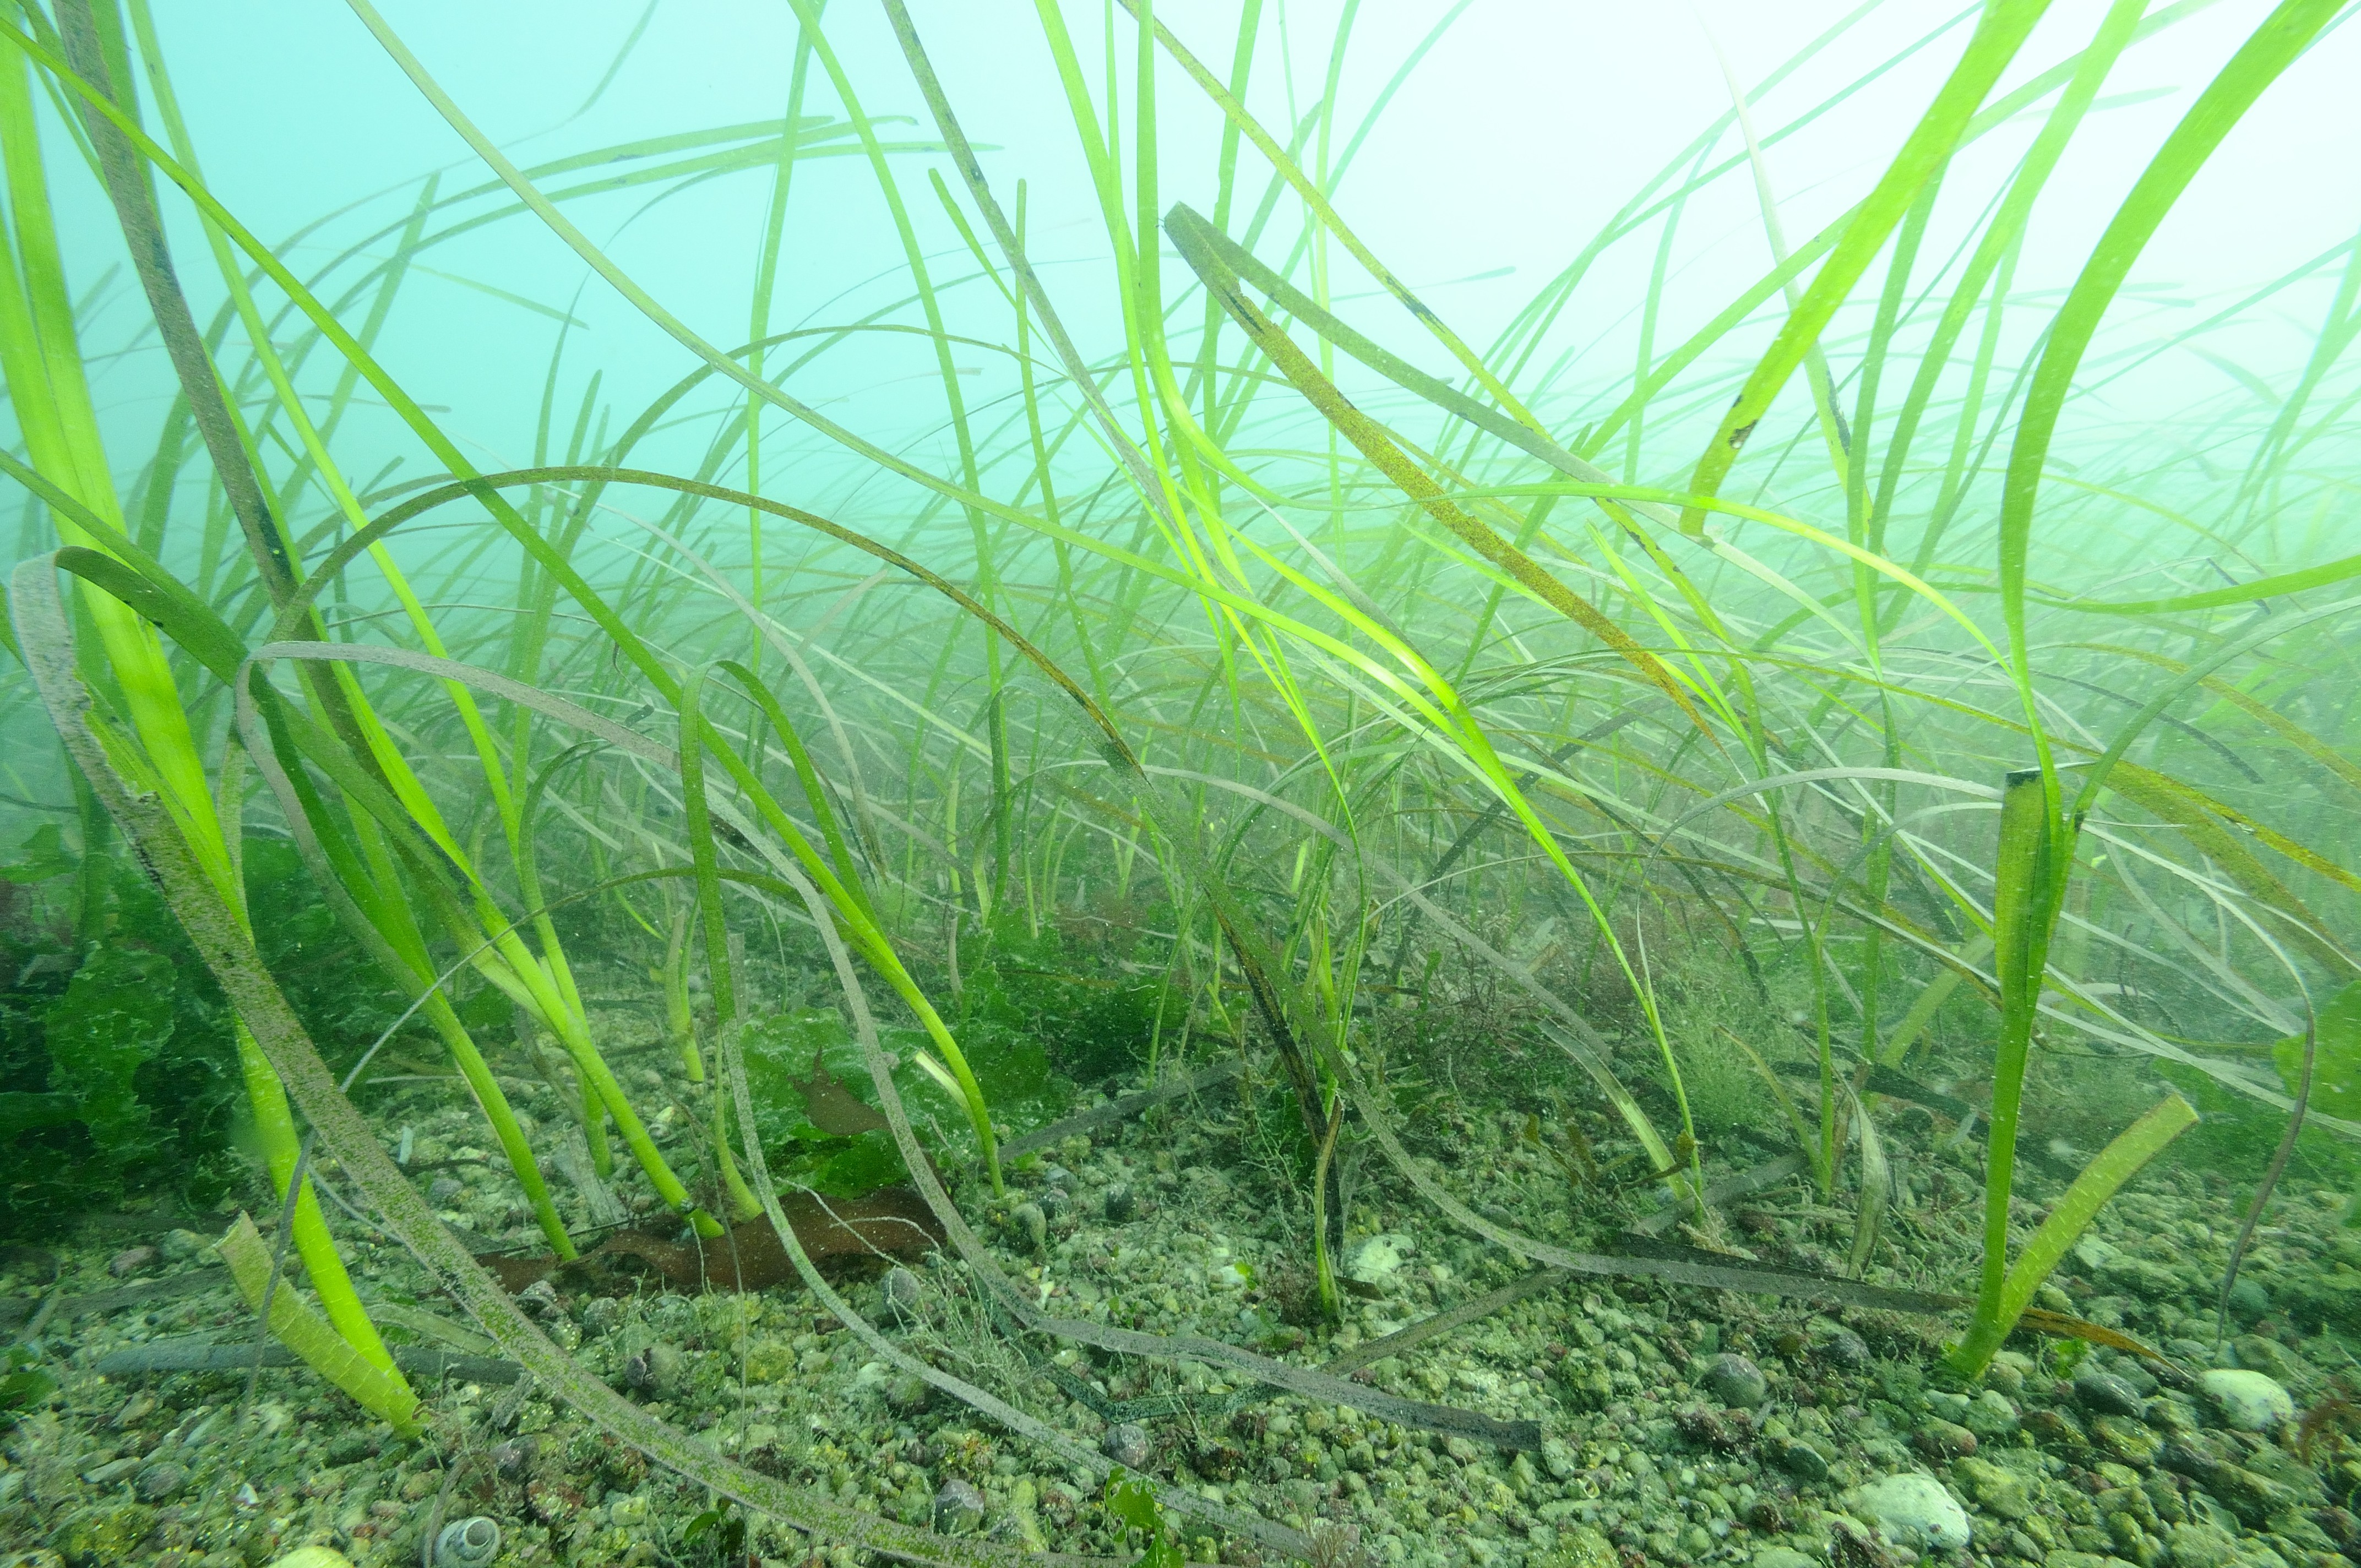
[[2088, 1560], [1120, 1204], [2249, 1300], [1737, 1382], [159, 1481], [443, 1190], [2134, 1442], [2105, 1394], [902, 1289], [1127, 1444], [1798, 1459], [2246, 1400], [1780, 1557], [600, 1314], [1916, 1510], [1945, 1440], [178, 1246], [2004, 1493], [2267, 1356], [1845, 1350], [908, 1394], [1990, 1415], [959, 1508], [130, 1261], [656, 1369], [2055, 1428], [1031, 1223], [312, 1557], [2200, 1544], [1378, 1259]]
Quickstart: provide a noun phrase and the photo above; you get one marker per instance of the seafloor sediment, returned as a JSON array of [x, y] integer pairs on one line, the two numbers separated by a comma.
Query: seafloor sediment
[[1682, 1428]]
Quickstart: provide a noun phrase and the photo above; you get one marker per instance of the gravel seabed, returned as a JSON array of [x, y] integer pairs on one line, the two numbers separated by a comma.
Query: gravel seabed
[[1684, 1426]]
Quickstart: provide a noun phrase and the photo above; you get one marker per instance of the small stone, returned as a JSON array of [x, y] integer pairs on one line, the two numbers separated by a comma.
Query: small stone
[[2267, 1356], [1120, 1204], [902, 1289], [1127, 1444], [600, 1314], [1798, 1459], [1710, 1428], [1780, 1557], [1694, 1541], [908, 1394], [178, 1246], [1031, 1223], [2105, 1394], [512, 1460], [1378, 1259], [2054, 1429], [2082, 1560], [2003, 1493], [2134, 1442], [1913, 1510], [130, 1261], [2249, 1300], [540, 1299], [2255, 1499], [1584, 1547], [661, 1366], [1560, 1460], [2246, 1400], [159, 1481], [1735, 1381], [1941, 1440], [443, 1190], [959, 1508], [1845, 1350], [2202, 1545], [1990, 1415], [350, 1447]]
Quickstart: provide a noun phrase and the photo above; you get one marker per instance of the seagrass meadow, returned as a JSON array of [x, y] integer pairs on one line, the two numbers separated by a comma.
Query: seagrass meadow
[[1391, 785]]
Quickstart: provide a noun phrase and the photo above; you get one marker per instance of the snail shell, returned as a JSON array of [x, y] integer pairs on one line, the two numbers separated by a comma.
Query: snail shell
[[468, 1544]]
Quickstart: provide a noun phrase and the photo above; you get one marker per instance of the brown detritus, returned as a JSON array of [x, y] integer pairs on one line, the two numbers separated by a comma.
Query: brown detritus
[[893, 1222], [2332, 1419], [835, 1109]]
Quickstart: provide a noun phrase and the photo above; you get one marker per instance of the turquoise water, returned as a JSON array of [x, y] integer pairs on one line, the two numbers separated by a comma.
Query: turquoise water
[[1707, 649]]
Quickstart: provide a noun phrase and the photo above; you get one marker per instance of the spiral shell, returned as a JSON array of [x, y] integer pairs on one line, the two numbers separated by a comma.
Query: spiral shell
[[468, 1544]]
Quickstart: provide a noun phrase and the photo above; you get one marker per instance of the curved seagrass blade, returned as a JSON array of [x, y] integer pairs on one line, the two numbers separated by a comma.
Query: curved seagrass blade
[[1373, 444], [1196, 237]]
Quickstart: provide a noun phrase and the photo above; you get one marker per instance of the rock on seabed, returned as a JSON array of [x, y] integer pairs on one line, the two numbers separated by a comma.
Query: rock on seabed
[[2248, 1400], [1914, 1510]]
